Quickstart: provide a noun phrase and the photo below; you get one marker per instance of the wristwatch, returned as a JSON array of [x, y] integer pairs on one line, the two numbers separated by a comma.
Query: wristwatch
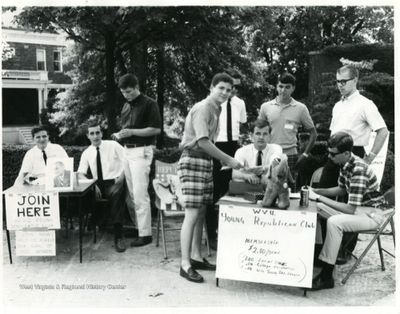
[[305, 154]]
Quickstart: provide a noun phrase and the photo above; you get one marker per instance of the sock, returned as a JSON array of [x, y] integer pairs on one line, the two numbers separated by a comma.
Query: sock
[[327, 270]]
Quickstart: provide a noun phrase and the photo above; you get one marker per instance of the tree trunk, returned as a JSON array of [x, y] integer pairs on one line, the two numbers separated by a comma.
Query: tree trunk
[[110, 82], [160, 90]]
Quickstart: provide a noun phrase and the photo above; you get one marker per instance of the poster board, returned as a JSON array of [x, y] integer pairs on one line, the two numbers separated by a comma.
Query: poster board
[[35, 243], [32, 210], [59, 174], [266, 245], [378, 164]]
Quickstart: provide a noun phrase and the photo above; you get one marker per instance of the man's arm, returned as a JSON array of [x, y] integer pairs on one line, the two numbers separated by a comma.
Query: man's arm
[[310, 144], [149, 131], [380, 138], [207, 146], [322, 195]]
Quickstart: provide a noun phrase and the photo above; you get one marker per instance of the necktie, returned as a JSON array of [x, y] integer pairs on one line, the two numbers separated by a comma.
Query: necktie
[[44, 157], [229, 120], [100, 181], [259, 158]]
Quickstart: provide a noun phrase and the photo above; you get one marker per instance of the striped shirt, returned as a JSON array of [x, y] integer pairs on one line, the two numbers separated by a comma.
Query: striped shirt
[[360, 183]]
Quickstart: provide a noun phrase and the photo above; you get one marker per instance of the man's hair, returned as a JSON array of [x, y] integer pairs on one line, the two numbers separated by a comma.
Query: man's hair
[[92, 124], [38, 129], [221, 77], [260, 123], [353, 71], [342, 141], [287, 78], [128, 80]]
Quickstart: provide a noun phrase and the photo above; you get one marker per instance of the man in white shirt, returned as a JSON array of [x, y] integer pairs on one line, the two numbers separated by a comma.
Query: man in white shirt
[[233, 113], [33, 166], [105, 160], [257, 155], [358, 116]]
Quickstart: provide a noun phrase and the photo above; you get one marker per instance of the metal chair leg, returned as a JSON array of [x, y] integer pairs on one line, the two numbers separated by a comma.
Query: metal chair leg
[[393, 231], [163, 236], [158, 228], [381, 253]]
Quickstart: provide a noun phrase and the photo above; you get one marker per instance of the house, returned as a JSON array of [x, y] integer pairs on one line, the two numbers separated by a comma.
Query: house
[[32, 71]]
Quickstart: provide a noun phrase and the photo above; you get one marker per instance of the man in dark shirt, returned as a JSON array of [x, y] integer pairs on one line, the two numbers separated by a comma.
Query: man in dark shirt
[[140, 122]]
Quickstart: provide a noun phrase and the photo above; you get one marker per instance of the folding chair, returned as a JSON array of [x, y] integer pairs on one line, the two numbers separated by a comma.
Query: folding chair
[[164, 211], [381, 230]]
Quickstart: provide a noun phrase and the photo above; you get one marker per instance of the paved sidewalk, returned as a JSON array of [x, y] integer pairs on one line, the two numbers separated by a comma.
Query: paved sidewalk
[[140, 277]]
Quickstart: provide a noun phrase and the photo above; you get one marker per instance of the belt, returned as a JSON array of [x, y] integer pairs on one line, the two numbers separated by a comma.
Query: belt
[[135, 145]]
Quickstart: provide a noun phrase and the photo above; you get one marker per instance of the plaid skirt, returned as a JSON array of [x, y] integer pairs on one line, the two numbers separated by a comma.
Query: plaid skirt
[[195, 173]]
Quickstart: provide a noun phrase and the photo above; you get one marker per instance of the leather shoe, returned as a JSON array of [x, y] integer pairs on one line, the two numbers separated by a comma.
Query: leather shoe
[[119, 245], [319, 283], [141, 241], [204, 265], [191, 275]]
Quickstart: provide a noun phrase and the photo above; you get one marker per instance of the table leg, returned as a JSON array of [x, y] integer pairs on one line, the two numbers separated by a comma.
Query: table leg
[[217, 282], [94, 213], [305, 292], [80, 228], [9, 245]]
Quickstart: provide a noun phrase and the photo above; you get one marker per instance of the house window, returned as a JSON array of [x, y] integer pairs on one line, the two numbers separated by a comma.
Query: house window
[[41, 59], [57, 60]]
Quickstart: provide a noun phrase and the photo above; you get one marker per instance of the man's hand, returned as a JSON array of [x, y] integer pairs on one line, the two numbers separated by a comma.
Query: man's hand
[[115, 136], [126, 133], [29, 178], [252, 178], [300, 159], [312, 195], [369, 158], [234, 164]]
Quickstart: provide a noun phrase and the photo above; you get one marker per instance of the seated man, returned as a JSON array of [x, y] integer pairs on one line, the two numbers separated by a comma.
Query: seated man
[[33, 166], [105, 160], [258, 156], [361, 211]]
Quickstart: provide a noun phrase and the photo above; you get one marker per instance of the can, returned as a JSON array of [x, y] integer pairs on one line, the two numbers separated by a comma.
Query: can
[[304, 196]]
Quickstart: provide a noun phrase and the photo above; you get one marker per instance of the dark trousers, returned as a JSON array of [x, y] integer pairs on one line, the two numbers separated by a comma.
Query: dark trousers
[[114, 192], [221, 186], [329, 178]]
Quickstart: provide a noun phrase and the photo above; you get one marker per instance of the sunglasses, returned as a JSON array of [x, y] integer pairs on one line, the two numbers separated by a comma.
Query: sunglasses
[[94, 133], [333, 154], [344, 82]]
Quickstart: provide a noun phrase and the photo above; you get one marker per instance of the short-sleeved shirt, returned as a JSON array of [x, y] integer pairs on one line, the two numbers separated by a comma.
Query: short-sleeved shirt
[[33, 161], [140, 113], [201, 122], [358, 116], [238, 115], [112, 155], [360, 182], [285, 122]]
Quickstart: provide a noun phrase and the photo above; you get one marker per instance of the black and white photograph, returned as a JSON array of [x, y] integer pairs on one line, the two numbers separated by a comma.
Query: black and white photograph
[[208, 156]]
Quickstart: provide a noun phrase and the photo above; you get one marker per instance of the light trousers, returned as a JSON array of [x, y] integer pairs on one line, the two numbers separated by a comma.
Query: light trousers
[[137, 170], [338, 223]]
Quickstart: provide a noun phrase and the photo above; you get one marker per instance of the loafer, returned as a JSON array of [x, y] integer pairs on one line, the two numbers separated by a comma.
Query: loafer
[[319, 283], [191, 275], [120, 245], [141, 241], [204, 265]]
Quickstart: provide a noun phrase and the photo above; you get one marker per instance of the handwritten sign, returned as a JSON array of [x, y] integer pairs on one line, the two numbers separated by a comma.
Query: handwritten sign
[[35, 243], [266, 245], [36, 210], [378, 164]]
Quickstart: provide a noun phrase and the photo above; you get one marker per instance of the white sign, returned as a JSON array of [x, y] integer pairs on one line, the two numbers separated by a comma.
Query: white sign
[[32, 210], [35, 243], [266, 245], [378, 164]]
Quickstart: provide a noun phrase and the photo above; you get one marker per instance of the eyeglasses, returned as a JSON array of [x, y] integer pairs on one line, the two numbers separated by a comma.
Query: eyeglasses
[[344, 82], [93, 133], [332, 153]]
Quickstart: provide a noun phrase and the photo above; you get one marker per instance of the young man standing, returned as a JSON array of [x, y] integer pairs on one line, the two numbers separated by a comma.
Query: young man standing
[[233, 114], [141, 122], [286, 116], [195, 173], [105, 160], [258, 153], [33, 166], [361, 212]]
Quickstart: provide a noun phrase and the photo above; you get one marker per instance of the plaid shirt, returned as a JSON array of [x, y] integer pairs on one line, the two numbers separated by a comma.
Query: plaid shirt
[[360, 183]]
